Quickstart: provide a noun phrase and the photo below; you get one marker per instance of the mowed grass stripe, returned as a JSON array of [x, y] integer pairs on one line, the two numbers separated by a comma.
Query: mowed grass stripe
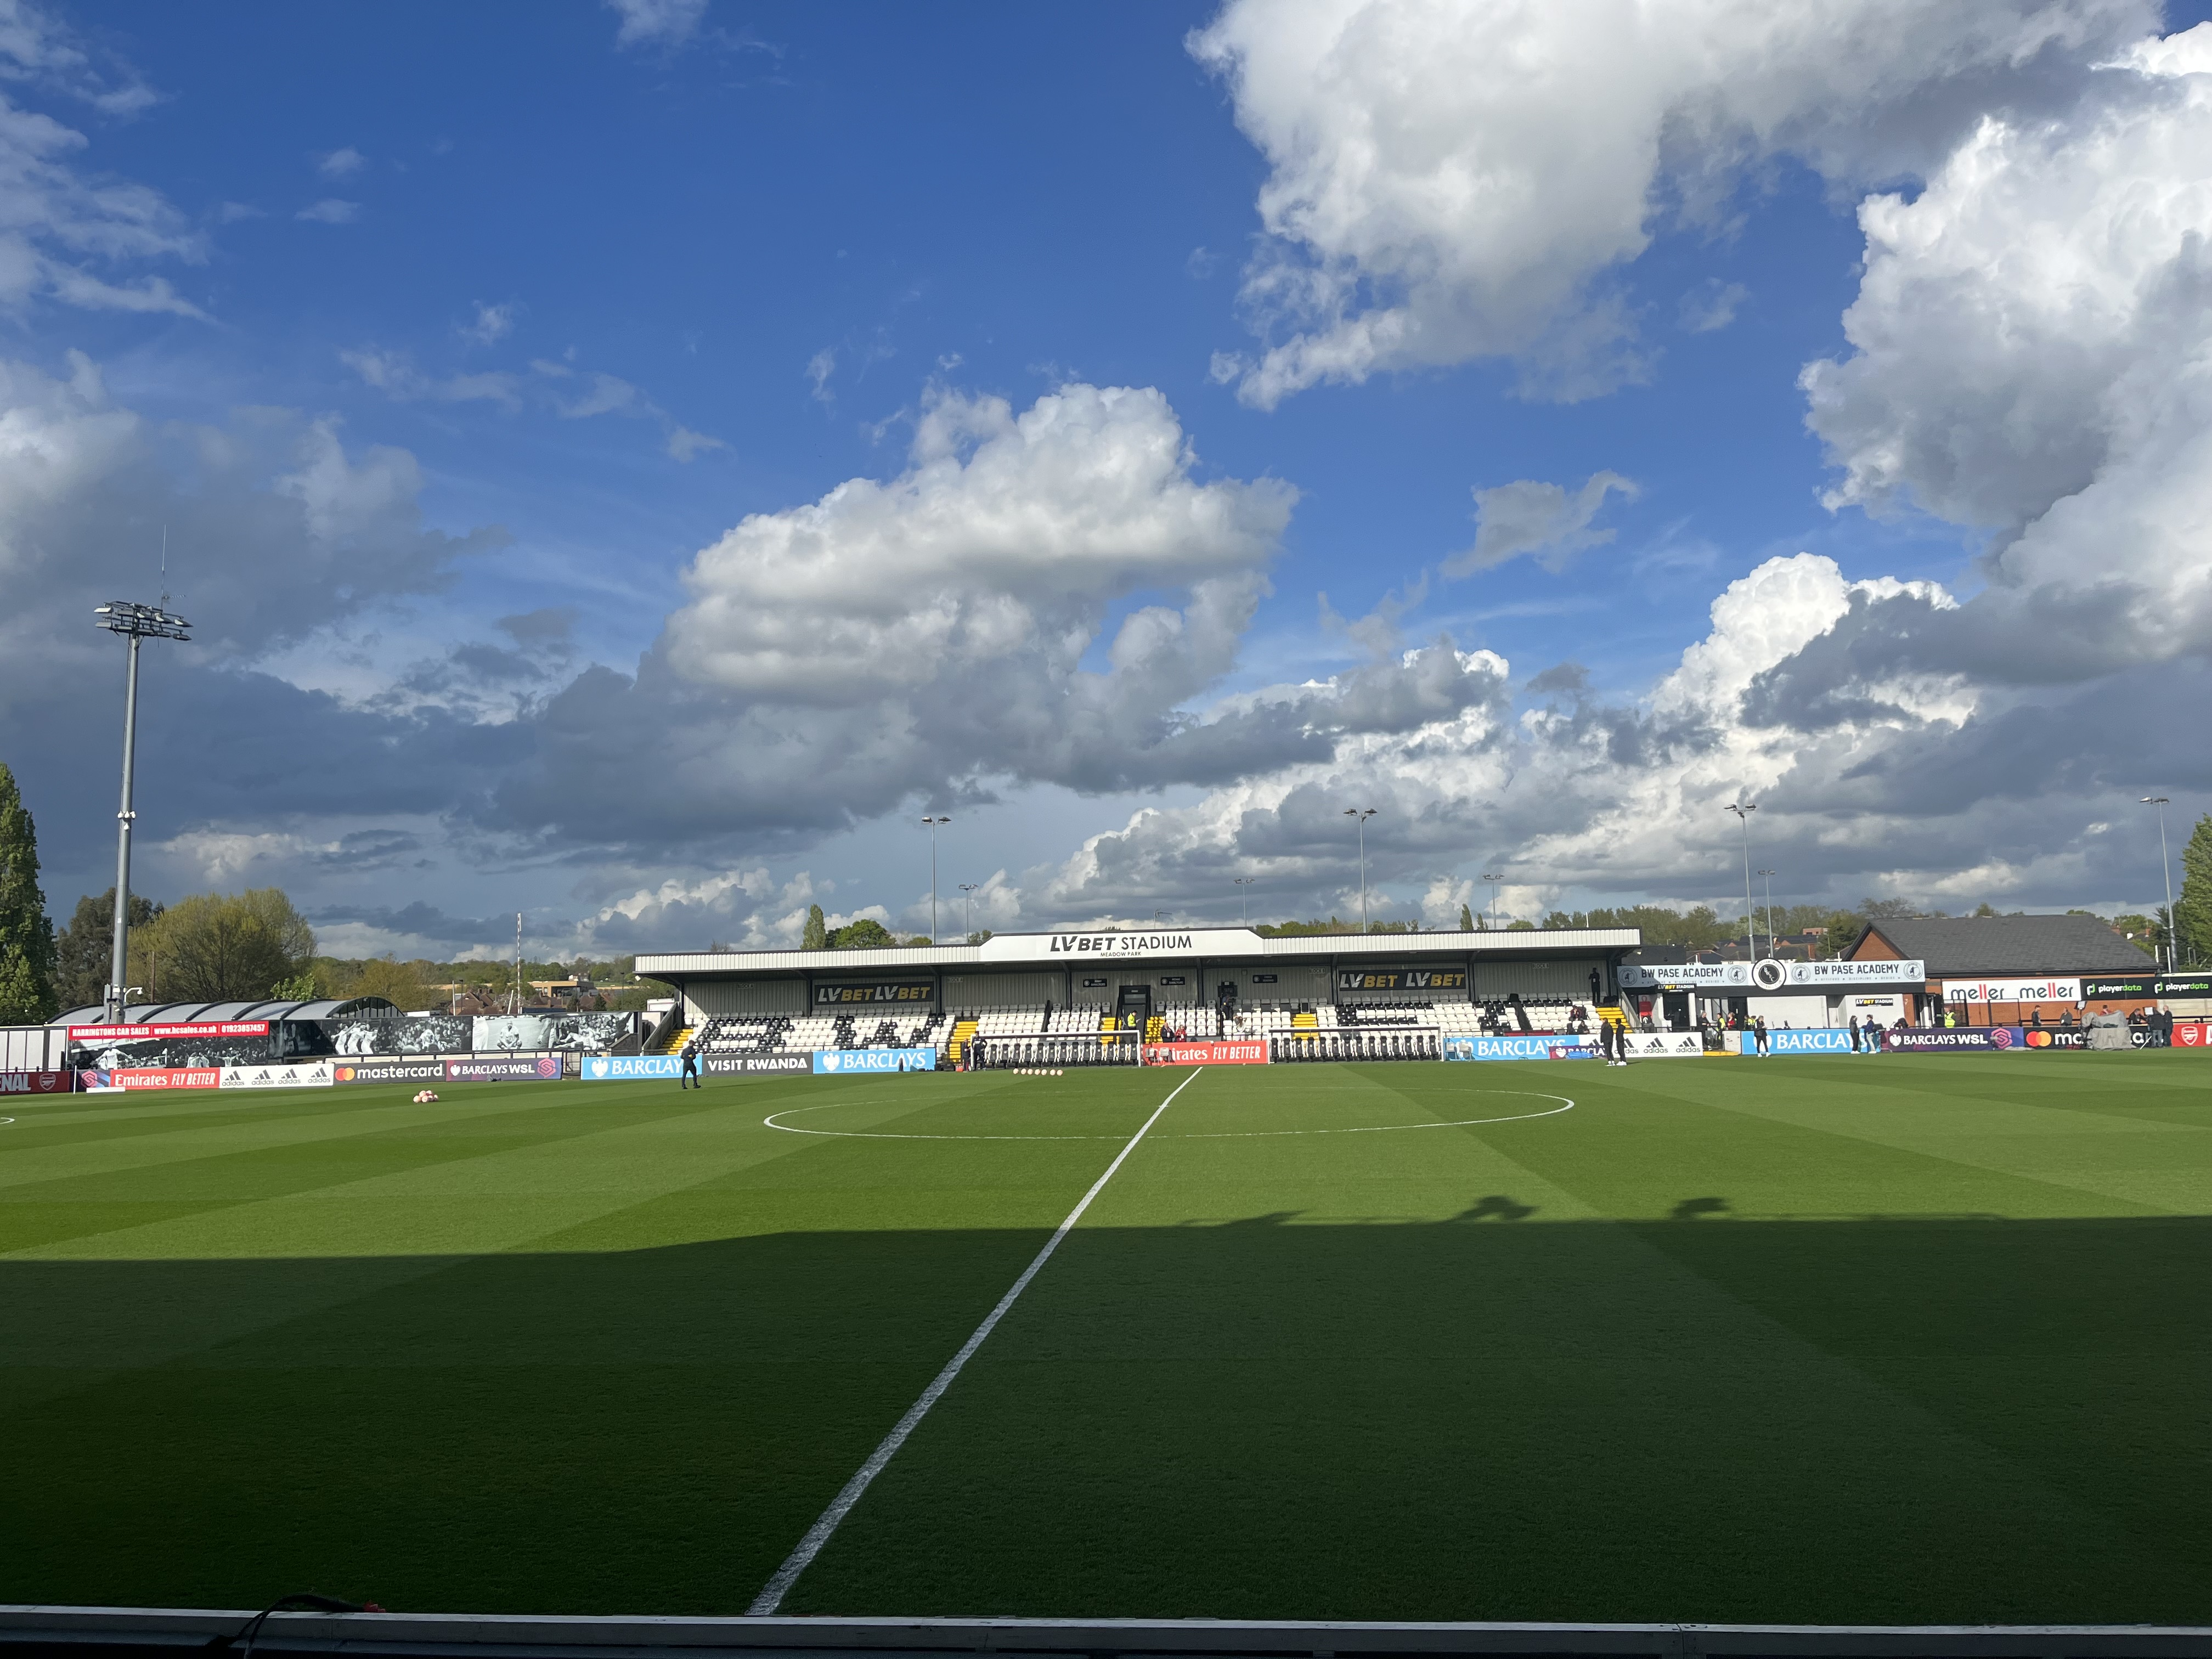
[[620, 1424], [1500, 1418]]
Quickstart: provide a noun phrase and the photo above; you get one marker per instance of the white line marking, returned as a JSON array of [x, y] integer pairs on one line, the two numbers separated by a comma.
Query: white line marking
[[1222, 1135], [799, 1560]]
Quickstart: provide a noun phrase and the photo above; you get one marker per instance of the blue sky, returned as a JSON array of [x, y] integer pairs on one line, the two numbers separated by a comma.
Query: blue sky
[[583, 286]]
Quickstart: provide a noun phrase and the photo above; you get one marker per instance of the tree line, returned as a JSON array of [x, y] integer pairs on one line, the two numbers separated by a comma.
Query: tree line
[[255, 946]]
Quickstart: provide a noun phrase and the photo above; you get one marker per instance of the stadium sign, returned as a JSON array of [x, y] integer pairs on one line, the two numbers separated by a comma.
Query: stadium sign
[[1821, 1040], [139, 1033], [1767, 975], [502, 1068], [1401, 978], [2119, 985], [1546, 1046], [150, 1077], [2011, 990], [427, 1069], [1205, 1054], [843, 1062], [305, 1075], [757, 1065], [841, 995], [1119, 944], [1955, 1040], [621, 1068], [38, 1083]]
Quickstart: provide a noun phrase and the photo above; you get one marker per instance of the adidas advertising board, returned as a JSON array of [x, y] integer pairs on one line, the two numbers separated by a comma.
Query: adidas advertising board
[[843, 1062], [772, 1064], [303, 1074], [1665, 1045]]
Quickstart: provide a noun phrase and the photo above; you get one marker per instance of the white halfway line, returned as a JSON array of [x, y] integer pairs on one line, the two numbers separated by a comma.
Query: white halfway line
[[773, 1592]]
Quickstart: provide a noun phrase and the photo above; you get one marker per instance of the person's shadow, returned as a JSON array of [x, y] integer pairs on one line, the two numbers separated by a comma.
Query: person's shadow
[[1498, 1206], [1691, 1208]]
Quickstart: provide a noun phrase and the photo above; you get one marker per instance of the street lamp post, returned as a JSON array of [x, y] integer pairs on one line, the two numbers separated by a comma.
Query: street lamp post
[[968, 906], [1768, 875], [2166, 864], [933, 823], [1243, 898], [1750, 917], [1362, 813], [1493, 876], [134, 622]]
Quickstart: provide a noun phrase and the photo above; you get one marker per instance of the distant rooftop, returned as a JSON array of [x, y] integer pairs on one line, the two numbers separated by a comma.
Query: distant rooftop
[[1964, 946]]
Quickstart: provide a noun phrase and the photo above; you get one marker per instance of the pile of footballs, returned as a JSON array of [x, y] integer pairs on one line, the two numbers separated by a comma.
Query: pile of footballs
[[426, 1096]]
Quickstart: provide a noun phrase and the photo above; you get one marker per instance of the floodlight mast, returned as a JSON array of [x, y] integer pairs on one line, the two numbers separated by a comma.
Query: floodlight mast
[[134, 622], [2166, 864]]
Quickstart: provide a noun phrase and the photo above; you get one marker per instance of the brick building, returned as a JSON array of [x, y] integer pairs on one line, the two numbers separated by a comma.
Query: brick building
[[2009, 971]]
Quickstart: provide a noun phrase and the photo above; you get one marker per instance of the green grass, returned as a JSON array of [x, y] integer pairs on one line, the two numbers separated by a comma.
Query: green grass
[[1914, 1339]]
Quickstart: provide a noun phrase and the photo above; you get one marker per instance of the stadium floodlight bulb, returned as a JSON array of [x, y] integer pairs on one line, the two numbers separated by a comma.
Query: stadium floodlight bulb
[[1743, 809]]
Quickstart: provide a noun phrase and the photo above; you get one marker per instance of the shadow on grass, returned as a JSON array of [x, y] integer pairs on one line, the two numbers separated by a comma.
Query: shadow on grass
[[1702, 1418]]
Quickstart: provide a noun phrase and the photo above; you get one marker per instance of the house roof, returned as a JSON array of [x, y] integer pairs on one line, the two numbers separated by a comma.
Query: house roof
[[1973, 947]]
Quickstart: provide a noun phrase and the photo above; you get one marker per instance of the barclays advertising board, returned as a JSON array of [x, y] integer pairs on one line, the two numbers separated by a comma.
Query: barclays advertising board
[[1540, 1047], [1821, 1041], [614, 1068], [843, 1062]]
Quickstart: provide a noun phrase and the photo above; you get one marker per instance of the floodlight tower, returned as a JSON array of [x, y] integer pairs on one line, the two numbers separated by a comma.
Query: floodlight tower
[[1362, 813], [135, 622], [2165, 863], [1743, 812], [1495, 878], [1769, 875], [932, 823], [1243, 898], [968, 905]]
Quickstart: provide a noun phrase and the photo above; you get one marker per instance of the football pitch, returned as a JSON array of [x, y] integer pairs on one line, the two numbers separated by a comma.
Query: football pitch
[[1898, 1339]]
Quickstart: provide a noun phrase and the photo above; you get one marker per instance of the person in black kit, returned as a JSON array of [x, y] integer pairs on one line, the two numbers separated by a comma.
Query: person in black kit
[[689, 1078]]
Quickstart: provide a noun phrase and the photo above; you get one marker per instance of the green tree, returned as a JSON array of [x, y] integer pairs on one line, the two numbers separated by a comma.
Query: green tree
[[1518, 926], [84, 951], [219, 947], [816, 936], [979, 936], [864, 935], [2192, 911], [27, 937], [395, 981], [1466, 920]]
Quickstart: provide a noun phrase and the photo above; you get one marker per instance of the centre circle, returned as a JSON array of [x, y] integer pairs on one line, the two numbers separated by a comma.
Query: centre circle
[[1564, 1105]]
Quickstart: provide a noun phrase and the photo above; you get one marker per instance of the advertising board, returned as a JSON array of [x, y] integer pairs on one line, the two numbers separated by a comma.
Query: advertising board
[[1664, 1045], [842, 996], [150, 1077], [1224, 1053], [1543, 1046], [1768, 975], [2096, 985], [38, 1083], [1821, 1040], [389, 1069], [2192, 1033], [618, 1068], [844, 1062], [2012, 990], [502, 1068], [1958, 1040], [2190, 983], [140, 1033], [300, 1074], [1401, 978], [772, 1064], [2053, 1037]]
